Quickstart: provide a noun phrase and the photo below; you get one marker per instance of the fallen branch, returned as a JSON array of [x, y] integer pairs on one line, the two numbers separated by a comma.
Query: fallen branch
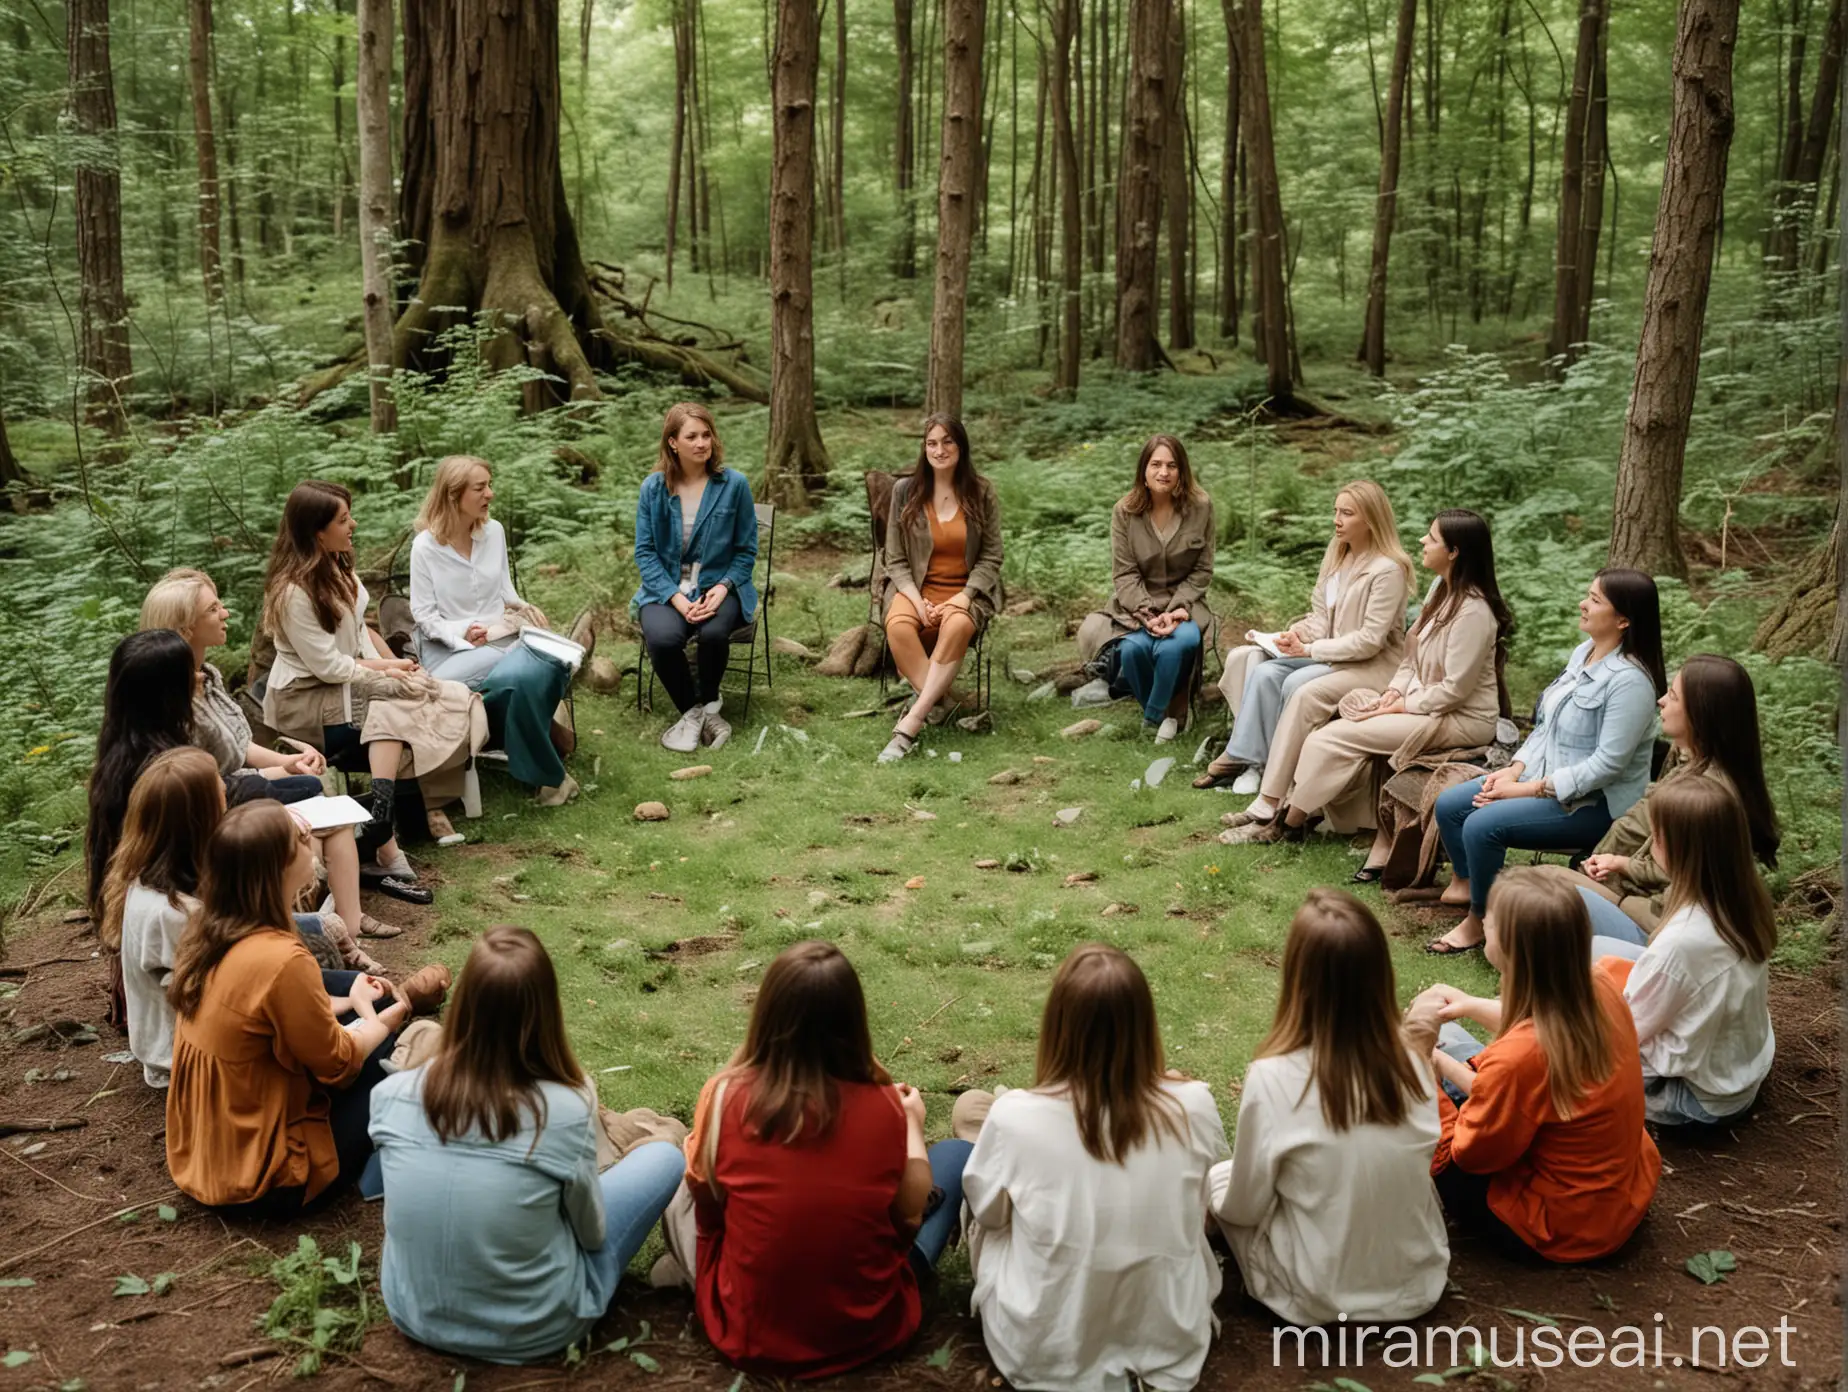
[[23, 968], [14, 1128], [244, 1357], [7, 1263], [87, 1198]]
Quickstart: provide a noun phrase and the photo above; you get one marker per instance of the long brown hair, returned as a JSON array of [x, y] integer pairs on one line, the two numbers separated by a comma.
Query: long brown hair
[[1340, 1002], [243, 889], [171, 812], [965, 481], [296, 558], [808, 1032], [1100, 1046], [1544, 935], [503, 1035], [1722, 711], [1186, 492], [1702, 838], [667, 461]]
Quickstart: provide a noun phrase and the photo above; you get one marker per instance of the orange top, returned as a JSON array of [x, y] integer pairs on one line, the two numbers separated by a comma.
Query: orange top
[[244, 1114], [948, 571], [1571, 1190]]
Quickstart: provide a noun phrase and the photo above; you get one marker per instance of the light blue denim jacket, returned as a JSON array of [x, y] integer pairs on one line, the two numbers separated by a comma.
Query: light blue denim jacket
[[724, 540], [1600, 735]]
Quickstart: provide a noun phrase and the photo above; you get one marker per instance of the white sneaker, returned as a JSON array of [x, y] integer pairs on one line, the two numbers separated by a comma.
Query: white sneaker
[[1169, 729], [683, 735], [1249, 781], [714, 729]]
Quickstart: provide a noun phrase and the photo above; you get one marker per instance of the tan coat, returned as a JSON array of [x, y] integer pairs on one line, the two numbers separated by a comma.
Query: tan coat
[[1363, 633], [907, 552], [1149, 574]]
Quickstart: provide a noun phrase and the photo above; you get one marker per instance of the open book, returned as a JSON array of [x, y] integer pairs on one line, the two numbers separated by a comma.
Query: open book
[[327, 813], [1267, 642]]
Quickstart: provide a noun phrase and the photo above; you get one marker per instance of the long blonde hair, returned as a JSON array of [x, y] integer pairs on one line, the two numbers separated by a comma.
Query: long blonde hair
[[441, 513], [1340, 1002], [176, 600], [1382, 529], [1544, 934]]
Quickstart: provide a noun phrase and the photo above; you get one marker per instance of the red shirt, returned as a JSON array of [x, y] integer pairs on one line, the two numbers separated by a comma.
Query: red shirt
[[1571, 1190], [802, 1271]]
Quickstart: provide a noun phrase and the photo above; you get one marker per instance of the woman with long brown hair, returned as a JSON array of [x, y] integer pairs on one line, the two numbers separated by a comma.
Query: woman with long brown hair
[[1161, 565], [695, 549], [942, 577], [266, 1112], [1544, 1148], [1087, 1194], [336, 686], [502, 1241], [1327, 1202], [813, 1204]]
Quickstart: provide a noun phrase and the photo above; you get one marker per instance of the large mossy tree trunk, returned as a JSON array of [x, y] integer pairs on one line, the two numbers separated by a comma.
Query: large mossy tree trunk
[[483, 200], [103, 353], [1645, 530]]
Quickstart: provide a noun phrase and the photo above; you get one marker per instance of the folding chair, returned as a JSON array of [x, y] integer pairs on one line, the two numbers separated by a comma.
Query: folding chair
[[746, 635]]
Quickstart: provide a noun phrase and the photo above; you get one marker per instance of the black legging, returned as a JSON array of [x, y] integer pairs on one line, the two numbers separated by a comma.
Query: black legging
[[667, 634], [1465, 1197]]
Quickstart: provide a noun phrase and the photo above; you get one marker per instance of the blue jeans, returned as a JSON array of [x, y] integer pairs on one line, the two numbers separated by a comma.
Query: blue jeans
[[1478, 839], [636, 1190], [948, 1159], [1612, 924], [1462, 1046], [1153, 668], [1268, 689]]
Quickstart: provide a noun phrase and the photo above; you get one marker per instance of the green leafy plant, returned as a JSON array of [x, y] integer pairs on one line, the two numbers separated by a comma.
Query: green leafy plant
[[323, 1307], [1710, 1268]]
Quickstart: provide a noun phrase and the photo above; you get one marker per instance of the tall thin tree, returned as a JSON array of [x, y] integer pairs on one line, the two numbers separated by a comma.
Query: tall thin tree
[[1228, 183], [103, 352], [1140, 172], [1064, 23], [205, 144], [1561, 345], [958, 186], [1271, 322], [905, 254], [1385, 209], [1177, 186], [373, 98]]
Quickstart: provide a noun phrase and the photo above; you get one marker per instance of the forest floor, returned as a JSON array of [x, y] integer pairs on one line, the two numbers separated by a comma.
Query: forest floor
[[660, 932]]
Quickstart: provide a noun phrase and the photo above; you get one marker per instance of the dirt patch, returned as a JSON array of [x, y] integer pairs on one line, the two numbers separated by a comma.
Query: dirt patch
[[1769, 1192]]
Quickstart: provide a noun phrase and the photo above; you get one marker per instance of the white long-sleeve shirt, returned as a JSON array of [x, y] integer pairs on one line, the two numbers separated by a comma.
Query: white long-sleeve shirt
[[1702, 1012], [449, 592], [1324, 1222], [1086, 1272], [151, 928]]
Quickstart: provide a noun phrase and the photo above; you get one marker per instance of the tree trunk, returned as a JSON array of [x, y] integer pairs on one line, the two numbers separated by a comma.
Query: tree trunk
[[1071, 229], [1644, 526], [483, 198], [1228, 184], [103, 352], [373, 97], [796, 461], [682, 64], [905, 260], [199, 70], [957, 182], [10, 472], [1373, 337], [1591, 204], [1139, 184], [1177, 187], [1799, 194], [1560, 345], [1271, 323], [837, 103]]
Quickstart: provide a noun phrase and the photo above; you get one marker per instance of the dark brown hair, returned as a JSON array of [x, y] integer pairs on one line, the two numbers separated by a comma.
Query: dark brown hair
[[1722, 711], [243, 889], [297, 559], [1632, 593], [667, 459], [1701, 838], [1100, 1046], [503, 1035], [965, 480], [1339, 1001], [1186, 492], [808, 1032], [172, 811]]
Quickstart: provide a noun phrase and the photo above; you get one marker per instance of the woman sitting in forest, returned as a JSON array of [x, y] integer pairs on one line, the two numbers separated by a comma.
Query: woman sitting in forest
[[469, 618], [696, 548], [1327, 1201], [1353, 637], [1585, 764], [267, 1109], [1087, 1195], [187, 602], [1710, 715], [811, 1205], [1544, 1149], [337, 686], [1445, 695], [1161, 564], [502, 1241], [942, 578]]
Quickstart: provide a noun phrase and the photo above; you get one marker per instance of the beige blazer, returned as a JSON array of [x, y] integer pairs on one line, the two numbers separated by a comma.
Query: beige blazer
[[1148, 573], [907, 551], [1449, 675]]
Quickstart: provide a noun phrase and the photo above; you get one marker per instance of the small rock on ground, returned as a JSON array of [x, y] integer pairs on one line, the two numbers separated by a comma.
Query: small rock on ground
[[1082, 728], [651, 812], [697, 771], [1067, 815], [987, 864], [1078, 877], [1005, 778]]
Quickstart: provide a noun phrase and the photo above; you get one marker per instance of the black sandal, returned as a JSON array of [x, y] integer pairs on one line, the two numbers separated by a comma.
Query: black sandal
[[397, 888], [1209, 779], [1437, 947], [1369, 874]]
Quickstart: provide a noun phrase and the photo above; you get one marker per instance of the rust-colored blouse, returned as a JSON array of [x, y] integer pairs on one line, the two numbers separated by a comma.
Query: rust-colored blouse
[[246, 1112], [948, 571]]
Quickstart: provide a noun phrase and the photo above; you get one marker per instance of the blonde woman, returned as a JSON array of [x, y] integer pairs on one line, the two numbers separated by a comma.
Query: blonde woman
[[1353, 637], [469, 618]]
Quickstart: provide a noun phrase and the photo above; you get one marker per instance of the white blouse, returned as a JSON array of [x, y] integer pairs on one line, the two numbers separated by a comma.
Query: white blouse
[[151, 929], [1087, 1272], [449, 591]]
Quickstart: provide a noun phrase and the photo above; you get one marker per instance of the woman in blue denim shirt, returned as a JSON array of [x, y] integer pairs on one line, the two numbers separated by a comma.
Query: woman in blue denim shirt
[[1585, 764], [695, 546]]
